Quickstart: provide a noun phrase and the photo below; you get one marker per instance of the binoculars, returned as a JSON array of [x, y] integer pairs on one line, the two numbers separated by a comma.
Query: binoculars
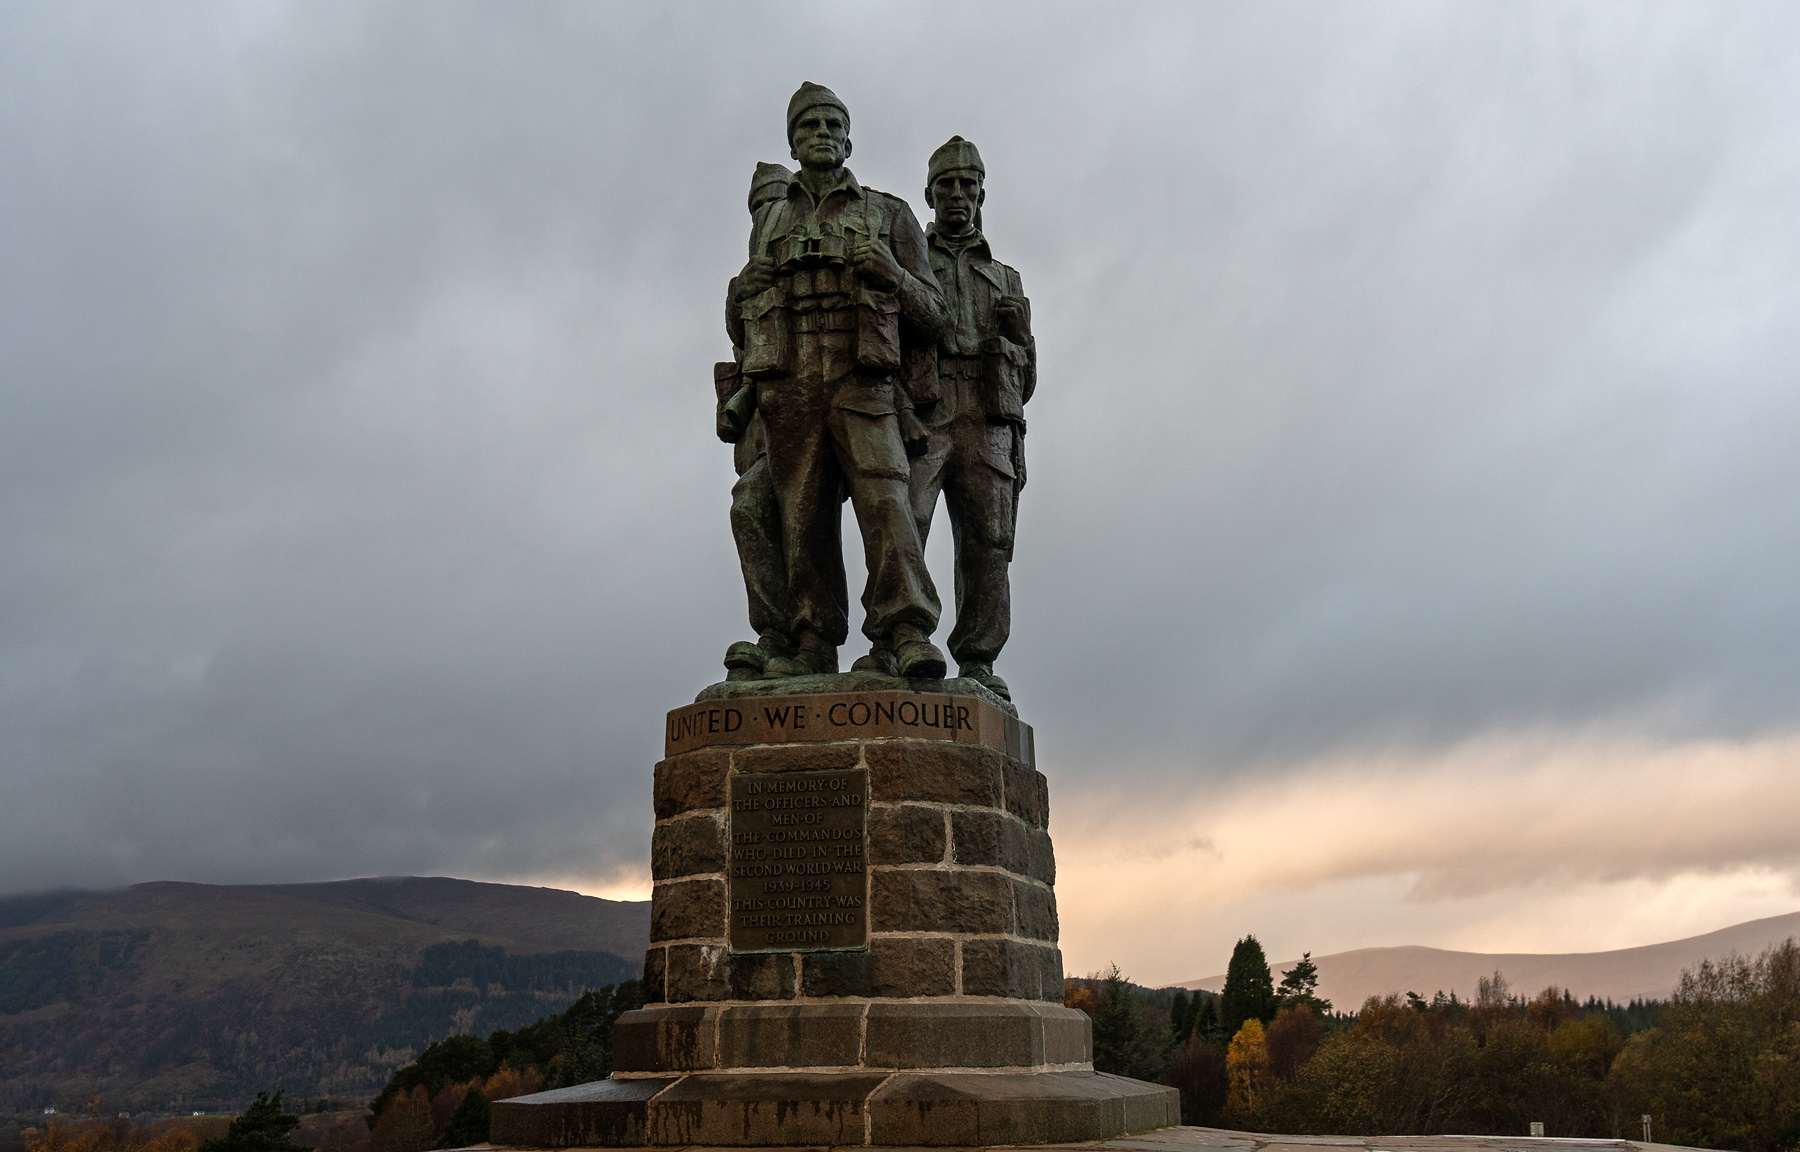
[[798, 251]]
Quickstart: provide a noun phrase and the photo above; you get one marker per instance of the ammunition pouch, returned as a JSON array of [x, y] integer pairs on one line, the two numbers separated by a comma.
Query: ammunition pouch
[[1005, 367], [877, 331], [768, 344], [817, 320], [922, 385], [815, 273], [727, 383], [726, 380]]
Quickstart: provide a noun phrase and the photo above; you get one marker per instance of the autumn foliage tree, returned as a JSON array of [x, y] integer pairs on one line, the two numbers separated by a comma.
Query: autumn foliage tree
[[1723, 1070], [1292, 1038], [1246, 1070], [444, 1094], [118, 1135]]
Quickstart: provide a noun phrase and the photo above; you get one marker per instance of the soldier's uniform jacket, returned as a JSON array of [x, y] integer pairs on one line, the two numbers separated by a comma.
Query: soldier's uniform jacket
[[977, 371], [972, 348], [817, 290]]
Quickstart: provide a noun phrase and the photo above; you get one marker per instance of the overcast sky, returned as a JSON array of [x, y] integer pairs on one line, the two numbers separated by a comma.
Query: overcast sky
[[1414, 519]]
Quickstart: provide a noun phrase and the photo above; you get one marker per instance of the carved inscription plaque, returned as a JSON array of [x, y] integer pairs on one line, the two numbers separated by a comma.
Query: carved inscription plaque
[[797, 881], [820, 717]]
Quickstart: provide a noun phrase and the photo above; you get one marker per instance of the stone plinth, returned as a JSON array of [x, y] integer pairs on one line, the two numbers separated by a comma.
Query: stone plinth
[[907, 1109], [1190, 1139], [853, 940]]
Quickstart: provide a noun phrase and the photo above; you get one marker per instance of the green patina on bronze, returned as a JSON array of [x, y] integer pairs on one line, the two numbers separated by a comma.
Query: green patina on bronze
[[875, 363]]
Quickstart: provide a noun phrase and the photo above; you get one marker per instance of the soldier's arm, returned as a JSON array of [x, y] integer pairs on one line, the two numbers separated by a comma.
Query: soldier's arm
[[759, 270], [1016, 287], [734, 317], [921, 299], [1018, 320]]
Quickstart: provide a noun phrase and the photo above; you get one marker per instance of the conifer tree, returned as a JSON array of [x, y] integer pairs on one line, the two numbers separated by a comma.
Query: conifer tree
[[1249, 988], [469, 1123], [1181, 1016], [1206, 1017], [1300, 985], [1117, 1026], [262, 1128]]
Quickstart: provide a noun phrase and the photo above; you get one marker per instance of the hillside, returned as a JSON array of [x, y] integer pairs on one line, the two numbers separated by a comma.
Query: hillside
[[1348, 978], [173, 996]]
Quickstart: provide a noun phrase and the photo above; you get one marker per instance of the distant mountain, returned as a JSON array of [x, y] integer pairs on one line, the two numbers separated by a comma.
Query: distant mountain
[[1348, 978], [193, 996]]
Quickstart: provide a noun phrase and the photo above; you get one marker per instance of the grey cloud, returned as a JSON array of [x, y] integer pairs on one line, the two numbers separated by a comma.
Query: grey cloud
[[1409, 372]]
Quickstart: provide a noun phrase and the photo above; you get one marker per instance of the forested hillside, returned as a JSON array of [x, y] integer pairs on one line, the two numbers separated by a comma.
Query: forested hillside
[[1716, 1065], [1647, 972], [182, 997]]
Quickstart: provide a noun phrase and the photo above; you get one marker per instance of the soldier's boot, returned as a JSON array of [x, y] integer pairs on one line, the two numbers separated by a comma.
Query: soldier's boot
[[918, 658], [880, 659], [812, 656], [982, 672], [749, 661], [745, 661]]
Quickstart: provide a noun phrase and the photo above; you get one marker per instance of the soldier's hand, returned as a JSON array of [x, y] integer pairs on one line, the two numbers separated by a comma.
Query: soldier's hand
[[1010, 314], [757, 275], [875, 264], [913, 436]]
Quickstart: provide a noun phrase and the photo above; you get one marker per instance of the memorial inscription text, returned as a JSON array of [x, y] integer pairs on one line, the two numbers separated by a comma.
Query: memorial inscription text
[[797, 879]]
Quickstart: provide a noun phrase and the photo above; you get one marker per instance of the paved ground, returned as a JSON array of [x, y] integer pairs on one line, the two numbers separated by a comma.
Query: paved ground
[[1188, 1139]]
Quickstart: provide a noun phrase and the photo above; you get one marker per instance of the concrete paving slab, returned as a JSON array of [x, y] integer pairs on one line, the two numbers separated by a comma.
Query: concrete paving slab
[[1194, 1139]]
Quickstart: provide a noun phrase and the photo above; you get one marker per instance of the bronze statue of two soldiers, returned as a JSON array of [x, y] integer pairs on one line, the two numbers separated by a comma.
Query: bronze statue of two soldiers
[[884, 364]]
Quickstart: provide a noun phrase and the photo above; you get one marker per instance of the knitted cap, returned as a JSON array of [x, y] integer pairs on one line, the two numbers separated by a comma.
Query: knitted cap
[[810, 95], [955, 154]]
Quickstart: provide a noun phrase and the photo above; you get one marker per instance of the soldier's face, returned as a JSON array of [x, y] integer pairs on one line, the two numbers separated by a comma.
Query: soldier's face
[[955, 196], [821, 137]]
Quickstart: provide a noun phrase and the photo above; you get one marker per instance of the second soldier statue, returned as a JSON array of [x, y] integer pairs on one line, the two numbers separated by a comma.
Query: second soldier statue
[[985, 368]]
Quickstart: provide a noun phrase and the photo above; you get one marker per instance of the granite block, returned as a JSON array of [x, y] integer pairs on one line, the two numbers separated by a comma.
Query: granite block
[[690, 782]]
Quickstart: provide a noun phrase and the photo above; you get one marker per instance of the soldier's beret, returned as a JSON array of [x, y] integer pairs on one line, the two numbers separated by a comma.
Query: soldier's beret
[[954, 155], [769, 183], [810, 95]]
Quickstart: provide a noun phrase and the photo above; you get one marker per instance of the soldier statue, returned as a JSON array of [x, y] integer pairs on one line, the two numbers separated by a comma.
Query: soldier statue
[[836, 302], [985, 372], [755, 517]]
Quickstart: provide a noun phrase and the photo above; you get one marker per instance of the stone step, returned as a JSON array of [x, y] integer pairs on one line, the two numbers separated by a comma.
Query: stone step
[[919, 1109]]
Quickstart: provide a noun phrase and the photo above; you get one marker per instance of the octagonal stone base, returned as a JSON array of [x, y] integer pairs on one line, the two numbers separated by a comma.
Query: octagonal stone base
[[961, 1033], [794, 1109], [938, 1019]]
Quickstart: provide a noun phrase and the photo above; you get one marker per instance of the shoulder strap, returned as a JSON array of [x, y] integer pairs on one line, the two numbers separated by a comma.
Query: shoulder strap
[[766, 233]]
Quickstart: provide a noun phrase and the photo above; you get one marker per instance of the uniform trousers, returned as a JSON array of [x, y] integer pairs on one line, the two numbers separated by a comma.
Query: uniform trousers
[[829, 430], [756, 527], [972, 463]]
